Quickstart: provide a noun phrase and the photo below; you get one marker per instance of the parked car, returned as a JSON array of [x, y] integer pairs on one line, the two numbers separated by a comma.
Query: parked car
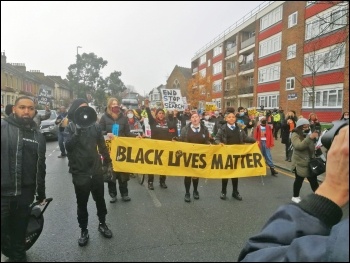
[[48, 127]]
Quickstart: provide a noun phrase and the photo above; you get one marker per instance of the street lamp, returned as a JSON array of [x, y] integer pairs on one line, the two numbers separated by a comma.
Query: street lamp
[[78, 50]]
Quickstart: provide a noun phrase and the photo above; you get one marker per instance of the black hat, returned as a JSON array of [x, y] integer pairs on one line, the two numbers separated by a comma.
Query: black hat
[[75, 105]]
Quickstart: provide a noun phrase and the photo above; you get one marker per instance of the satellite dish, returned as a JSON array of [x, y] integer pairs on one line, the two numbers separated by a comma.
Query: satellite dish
[[240, 58]]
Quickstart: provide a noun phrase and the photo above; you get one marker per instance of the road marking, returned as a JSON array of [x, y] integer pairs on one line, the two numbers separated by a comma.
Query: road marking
[[292, 176], [154, 198]]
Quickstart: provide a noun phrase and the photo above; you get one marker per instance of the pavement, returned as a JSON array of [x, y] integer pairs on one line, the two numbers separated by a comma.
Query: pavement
[[279, 156]]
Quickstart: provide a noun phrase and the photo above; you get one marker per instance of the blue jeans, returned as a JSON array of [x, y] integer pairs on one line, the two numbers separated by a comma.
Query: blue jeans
[[266, 153], [60, 142]]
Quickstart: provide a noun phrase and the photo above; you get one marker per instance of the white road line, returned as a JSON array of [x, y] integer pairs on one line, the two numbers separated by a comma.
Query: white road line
[[154, 198]]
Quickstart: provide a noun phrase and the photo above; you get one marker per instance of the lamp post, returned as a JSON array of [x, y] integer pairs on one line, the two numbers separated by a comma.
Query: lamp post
[[78, 50]]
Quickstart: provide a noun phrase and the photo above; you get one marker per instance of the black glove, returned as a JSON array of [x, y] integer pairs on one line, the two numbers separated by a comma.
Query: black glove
[[108, 173]]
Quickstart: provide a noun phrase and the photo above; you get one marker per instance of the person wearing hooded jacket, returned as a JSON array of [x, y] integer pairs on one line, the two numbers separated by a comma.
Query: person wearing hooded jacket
[[114, 116], [84, 146], [23, 171]]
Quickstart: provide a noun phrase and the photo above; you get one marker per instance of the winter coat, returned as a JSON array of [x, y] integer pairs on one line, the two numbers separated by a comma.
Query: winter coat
[[269, 136], [83, 152], [166, 132], [221, 136], [204, 130], [106, 123], [303, 151], [310, 231], [13, 178]]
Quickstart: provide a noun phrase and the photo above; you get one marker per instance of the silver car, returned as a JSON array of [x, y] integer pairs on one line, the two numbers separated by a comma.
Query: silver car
[[48, 127]]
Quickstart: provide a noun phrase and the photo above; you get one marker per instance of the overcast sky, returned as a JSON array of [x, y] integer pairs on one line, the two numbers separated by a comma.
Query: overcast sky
[[142, 40]]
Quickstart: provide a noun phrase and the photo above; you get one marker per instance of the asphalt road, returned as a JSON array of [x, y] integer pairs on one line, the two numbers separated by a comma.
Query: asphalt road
[[158, 225]]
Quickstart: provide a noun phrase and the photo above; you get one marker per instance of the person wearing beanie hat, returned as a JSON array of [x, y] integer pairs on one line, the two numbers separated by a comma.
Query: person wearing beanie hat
[[75, 105], [86, 168], [162, 128], [304, 149], [230, 133]]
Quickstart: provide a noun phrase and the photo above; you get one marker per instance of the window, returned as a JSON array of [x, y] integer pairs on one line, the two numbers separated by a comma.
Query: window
[[155, 96], [217, 51], [324, 97], [203, 73], [271, 18], [290, 83], [269, 73], [292, 19], [176, 84], [202, 59], [270, 45], [217, 68], [270, 100], [291, 51], [217, 86], [327, 21], [325, 59], [310, 3]]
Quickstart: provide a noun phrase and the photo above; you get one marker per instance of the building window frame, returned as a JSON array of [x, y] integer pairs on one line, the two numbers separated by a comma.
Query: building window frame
[[290, 83], [293, 19]]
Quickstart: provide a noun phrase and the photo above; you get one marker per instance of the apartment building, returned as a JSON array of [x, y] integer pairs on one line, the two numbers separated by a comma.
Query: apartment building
[[289, 54]]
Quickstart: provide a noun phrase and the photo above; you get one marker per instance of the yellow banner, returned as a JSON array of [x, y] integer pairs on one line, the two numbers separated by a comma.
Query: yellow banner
[[148, 156]]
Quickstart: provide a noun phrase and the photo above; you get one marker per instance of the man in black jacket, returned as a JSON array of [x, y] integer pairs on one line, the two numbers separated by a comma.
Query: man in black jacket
[[86, 168], [23, 172]]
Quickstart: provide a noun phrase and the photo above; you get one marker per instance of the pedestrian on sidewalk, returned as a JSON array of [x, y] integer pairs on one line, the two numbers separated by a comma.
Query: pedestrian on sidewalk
[[304, 149], [230, 133], [264, 136], [286, 131]]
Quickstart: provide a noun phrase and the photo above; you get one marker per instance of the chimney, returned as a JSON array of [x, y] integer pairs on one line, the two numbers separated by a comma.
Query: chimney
[[37, 73], [3, 58], [19, 66]]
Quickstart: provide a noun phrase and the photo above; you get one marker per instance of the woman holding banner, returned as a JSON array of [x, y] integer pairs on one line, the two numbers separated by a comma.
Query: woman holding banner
[[230, 133], [161, 129], [114, 123], [194, 132]]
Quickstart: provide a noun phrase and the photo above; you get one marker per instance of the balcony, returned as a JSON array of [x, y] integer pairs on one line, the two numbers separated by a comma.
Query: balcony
[[195, 70], [248, 42], [230, 51], [247, 66], [229, 72], [246, 90]]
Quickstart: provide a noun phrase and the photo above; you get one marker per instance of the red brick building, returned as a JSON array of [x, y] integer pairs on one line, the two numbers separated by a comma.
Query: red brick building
[[289, 54]]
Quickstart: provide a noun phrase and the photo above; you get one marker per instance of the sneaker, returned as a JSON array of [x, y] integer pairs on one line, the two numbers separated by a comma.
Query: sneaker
[[187, 197], [126, 198], [113, 199], [150, 186], [195, 195], [103, 228], [223, 196], [62, 156], [163, 185], [296, 199], [84, 237], [237, 196]]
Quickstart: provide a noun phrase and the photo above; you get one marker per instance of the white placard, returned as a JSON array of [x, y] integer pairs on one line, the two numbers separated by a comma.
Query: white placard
[[172, 99]]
